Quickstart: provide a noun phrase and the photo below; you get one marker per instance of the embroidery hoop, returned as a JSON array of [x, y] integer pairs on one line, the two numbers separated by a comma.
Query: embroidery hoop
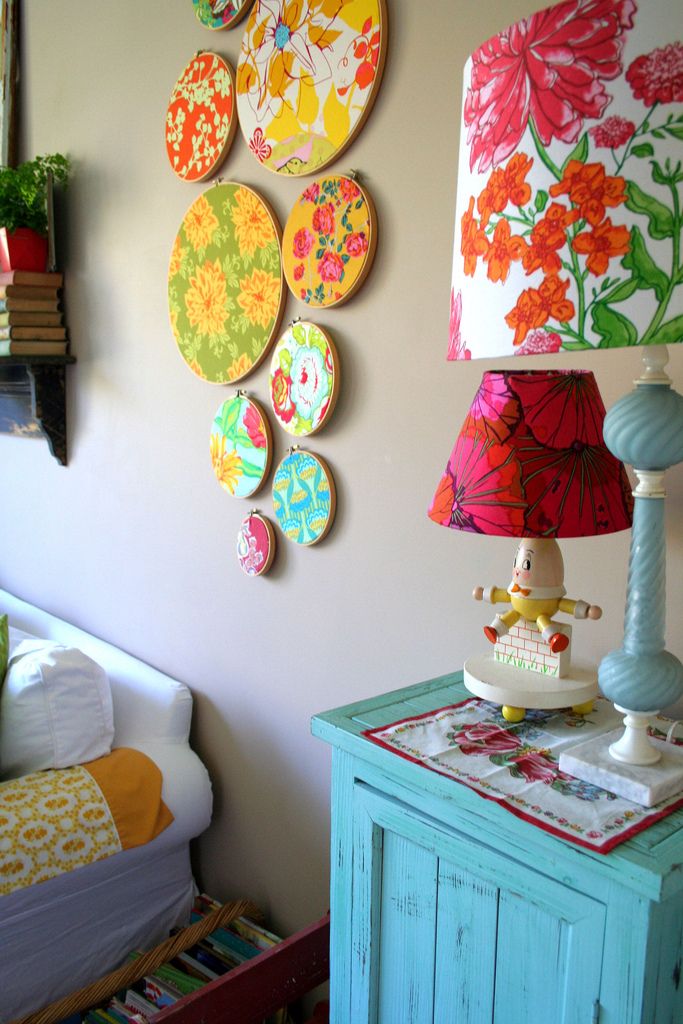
[[334, 377], [272, 544], [293, 451], [221, 63], [245, 401], [245, 112], [267, 338], [289, 233]]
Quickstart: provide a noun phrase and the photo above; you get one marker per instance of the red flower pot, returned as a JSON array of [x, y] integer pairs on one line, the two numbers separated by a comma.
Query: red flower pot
[[23, 249]]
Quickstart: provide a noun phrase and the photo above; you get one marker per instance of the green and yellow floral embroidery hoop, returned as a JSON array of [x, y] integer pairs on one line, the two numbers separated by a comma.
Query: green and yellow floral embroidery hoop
[[226, 291]]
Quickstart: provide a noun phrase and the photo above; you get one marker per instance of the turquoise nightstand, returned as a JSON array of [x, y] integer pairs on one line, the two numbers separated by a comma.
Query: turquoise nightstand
[[447, 909]]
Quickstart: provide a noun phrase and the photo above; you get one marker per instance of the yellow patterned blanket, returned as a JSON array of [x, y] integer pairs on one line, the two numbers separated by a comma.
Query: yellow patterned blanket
[[60, 819]]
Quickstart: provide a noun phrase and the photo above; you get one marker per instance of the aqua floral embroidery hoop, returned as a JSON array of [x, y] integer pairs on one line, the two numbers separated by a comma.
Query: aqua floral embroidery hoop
[[241, 445], [226, 289], [304, 497], [304, 378]]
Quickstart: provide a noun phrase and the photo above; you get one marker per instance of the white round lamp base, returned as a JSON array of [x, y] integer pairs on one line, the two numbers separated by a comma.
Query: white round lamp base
[[518, 688]]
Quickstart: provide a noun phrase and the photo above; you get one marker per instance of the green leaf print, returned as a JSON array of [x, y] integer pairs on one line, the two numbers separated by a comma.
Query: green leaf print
[[646, 273], [668, 333], [661, 224], [614, 329]]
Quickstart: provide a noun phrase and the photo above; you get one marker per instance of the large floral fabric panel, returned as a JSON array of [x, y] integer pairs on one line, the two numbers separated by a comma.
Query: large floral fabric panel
[[307, 75], [226, 288], [568, 217]]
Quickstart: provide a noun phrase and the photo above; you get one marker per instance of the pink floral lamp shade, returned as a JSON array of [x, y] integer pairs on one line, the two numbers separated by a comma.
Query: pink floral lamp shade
[[568, 214], [530, 461]]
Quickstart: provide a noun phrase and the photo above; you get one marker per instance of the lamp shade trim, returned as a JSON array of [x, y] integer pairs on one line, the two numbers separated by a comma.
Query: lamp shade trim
[[568, 224], [530, 461]]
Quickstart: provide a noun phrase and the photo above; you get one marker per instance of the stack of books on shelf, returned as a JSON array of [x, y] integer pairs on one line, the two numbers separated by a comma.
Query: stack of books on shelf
[[31, 318], [210, 958]]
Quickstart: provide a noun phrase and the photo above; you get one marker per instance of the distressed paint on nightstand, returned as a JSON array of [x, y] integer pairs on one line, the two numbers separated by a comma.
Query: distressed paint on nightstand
[[446, 907]]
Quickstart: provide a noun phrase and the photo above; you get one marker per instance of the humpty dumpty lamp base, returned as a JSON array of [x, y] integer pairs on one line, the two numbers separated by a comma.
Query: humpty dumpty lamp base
[[535, 595]]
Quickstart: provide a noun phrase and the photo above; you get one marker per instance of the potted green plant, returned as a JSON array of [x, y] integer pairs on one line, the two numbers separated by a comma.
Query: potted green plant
[[23, 211]]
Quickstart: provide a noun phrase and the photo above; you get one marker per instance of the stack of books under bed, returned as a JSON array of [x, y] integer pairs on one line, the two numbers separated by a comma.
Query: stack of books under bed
[[31, 317], [210, 958]]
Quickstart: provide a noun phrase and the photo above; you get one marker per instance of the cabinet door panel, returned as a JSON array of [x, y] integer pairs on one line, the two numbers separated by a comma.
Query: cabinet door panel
[[407, 931], [466, 947], [440, 936], [548, 956]]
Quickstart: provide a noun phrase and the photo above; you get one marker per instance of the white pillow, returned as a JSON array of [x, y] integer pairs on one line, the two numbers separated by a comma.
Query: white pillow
[[55, 709]]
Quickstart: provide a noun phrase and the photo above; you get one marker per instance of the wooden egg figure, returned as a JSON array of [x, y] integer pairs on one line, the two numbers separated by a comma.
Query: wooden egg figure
[[527, 637]]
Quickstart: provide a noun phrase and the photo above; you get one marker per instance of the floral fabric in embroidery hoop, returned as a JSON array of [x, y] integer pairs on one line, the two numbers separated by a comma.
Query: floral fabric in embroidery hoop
[[304, 378], [255, 545], [219, 14], [226, 289], [304, 497], [241, 446], [307, 77], [329, 241], [201, 118]]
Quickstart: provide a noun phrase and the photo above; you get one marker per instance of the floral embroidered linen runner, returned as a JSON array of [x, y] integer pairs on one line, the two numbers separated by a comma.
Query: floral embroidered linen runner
[[518, 766]]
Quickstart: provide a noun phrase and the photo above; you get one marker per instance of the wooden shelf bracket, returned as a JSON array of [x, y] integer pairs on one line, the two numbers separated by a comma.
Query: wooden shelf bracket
[[33, 400]]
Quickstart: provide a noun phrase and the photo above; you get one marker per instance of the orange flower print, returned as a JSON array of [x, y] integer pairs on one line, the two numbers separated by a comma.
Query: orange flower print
[[516, 171], [474, 242], [253, 227], [547, 236], [535, 306], [601, 244], [206, 300], [200, 223], [503, 248], [259, 297], [177, 256], [226, 465], [589, 188], [240, 367], [505, 186]]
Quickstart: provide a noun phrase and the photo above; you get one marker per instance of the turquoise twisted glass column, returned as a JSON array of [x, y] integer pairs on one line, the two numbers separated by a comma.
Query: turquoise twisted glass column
[[645, 429]]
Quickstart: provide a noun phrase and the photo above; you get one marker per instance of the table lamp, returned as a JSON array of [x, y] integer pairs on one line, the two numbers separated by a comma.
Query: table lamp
[[568, 239]]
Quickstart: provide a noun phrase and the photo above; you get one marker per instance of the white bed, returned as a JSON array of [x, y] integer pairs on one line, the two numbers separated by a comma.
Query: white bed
[[59, 935]]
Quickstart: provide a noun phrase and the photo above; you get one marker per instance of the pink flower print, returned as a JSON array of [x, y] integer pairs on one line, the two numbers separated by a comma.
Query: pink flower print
[[323, 219], [311, 194], [481, 489], [302, 243], [494, 413], [539, 342], [330, 267], [258, 145], [456, 346], [485, 738], [356, 243], [348, 190], [549, 68], [299, 271], [254, 427], [535, 767], [657, 77], [613, 132]]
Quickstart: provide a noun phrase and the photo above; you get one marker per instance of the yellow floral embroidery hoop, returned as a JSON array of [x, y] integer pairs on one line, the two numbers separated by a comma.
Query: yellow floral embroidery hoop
[[307, 78]]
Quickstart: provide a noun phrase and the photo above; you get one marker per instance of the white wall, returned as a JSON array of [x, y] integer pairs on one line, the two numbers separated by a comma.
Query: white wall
[[135, 539]]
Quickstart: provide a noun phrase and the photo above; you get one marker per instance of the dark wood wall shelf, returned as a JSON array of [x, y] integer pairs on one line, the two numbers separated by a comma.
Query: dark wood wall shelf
[[33, 399]]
